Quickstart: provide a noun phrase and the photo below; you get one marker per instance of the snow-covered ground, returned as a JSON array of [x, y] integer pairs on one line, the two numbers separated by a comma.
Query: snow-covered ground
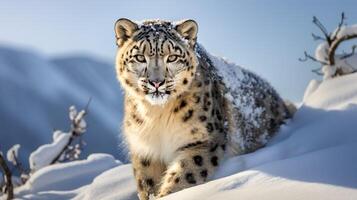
[[314, 156]]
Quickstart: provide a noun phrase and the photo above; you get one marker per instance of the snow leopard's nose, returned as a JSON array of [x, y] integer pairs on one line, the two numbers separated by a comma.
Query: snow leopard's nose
[[156, 83]]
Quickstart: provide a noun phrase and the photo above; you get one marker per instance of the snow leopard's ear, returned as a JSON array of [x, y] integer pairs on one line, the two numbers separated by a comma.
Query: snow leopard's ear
[[124, 29], [188, 29]]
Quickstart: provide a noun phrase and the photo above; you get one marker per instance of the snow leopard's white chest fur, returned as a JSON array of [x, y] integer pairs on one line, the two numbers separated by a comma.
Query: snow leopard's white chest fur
[[160, 134]]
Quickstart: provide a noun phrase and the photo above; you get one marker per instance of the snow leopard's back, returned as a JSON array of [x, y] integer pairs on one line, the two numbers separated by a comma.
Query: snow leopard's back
[[255, 110]]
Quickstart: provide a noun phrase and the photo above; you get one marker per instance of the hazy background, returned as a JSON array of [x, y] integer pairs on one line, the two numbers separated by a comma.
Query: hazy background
[[57, 53]]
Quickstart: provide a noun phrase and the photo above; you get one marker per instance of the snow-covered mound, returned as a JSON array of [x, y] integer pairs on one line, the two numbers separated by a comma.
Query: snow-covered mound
[[36, 93], [66, 176], [314, 156]]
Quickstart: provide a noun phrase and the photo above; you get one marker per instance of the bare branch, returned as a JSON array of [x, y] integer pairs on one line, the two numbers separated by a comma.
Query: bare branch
[[87, 106], [333, 40], [75, 132], [7, 175], [347, 55], [347, 63], [73, 151], [318, 23], [317, 37], [63, 150], [310, 57], [317, 71], [339, 26], [18, 165], [334, 45]]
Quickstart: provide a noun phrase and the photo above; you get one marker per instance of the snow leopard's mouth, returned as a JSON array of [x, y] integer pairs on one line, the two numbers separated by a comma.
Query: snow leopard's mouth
[[157, 93], [157, 97]]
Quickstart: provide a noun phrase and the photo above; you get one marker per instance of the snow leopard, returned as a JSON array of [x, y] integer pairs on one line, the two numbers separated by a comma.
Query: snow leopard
[[185, 109]]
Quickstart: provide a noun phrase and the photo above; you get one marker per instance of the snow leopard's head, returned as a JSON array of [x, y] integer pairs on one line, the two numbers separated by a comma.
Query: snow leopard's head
[[156, 59]]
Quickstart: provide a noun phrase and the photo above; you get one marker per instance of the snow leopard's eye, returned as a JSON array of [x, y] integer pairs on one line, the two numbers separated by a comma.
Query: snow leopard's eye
[[140, 58], [172, 58]]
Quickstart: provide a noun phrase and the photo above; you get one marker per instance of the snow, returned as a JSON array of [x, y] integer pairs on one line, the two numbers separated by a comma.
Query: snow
[[347, 30], [45, 154], [343, 65], [321, 52], [312, 86], [66, 176], [336, 93], [314, 156], [116, 183], [78, 119], [12, 154], [233, 76]]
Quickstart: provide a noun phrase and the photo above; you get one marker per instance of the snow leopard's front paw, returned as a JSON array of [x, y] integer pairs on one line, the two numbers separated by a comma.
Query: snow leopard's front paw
[[147, 173], [193, 166]]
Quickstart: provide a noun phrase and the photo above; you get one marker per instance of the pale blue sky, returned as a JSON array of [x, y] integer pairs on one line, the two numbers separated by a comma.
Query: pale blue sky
[[266, 37]]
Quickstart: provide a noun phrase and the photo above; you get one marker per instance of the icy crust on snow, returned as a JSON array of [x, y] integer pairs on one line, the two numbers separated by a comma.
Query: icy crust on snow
[[243, 88]]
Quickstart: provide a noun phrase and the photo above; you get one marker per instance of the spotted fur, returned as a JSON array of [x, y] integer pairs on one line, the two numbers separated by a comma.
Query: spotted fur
[[177, 118]]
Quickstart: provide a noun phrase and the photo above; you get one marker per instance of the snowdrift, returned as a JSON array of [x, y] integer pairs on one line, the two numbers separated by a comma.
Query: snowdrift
[[314, 156]]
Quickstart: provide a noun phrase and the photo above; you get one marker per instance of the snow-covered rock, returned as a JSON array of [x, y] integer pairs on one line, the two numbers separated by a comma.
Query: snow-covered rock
[[314, 156]]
